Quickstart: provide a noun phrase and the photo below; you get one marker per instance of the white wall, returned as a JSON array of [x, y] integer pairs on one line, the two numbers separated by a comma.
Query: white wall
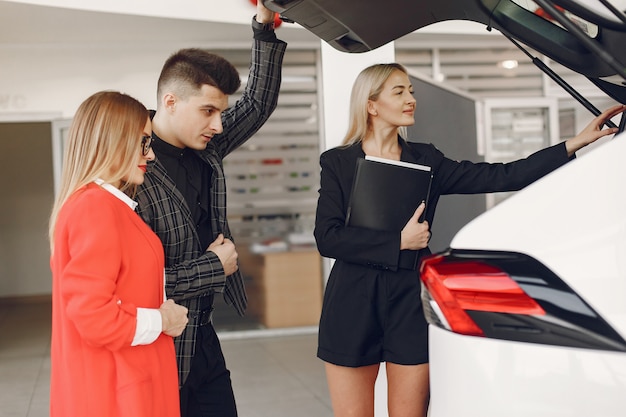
[[56, 53], [56, 76], [58, 79], [228, 11]]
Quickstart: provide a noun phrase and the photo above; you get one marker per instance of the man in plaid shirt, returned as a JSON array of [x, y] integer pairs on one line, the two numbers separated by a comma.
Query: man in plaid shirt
[[183, 198]]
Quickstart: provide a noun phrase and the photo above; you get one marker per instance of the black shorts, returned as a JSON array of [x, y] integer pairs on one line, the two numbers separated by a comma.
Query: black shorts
[[371, 316]]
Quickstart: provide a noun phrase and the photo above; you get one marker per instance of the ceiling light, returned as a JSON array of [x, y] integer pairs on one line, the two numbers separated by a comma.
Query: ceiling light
[[508, 64]]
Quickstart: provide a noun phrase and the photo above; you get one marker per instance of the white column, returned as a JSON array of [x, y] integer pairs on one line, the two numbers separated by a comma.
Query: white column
[[339, 70]]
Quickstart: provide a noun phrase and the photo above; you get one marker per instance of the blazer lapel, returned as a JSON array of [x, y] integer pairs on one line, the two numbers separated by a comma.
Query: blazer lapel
[[410, 154], [234, 290], [219, 222]]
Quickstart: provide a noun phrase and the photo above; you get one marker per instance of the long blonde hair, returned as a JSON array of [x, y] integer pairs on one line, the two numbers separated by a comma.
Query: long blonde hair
[[367, 86], [104, 140]]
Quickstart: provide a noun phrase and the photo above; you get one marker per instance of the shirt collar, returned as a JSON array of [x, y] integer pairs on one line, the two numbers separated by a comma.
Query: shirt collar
[[117, 193], [167, 149]]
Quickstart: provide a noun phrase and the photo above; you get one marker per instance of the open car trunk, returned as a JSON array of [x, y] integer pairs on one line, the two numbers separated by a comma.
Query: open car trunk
[[587, 36]]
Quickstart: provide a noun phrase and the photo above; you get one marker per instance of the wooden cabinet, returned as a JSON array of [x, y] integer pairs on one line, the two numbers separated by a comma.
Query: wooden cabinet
[[284, 288]]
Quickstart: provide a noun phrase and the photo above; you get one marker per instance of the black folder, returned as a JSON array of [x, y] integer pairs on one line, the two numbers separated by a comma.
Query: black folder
[[385, 193]]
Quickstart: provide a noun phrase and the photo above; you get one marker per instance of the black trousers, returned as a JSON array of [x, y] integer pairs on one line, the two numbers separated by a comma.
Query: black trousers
[[208, 390]]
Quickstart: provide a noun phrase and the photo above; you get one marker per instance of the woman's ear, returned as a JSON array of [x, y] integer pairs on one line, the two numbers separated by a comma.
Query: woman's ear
[[371, 108]]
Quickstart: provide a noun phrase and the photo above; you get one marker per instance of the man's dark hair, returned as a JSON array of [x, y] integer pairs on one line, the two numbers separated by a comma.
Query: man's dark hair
[[189, 69]]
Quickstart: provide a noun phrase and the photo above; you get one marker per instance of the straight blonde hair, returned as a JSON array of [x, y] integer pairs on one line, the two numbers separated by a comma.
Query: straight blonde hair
[[367, 86], [103, 142]]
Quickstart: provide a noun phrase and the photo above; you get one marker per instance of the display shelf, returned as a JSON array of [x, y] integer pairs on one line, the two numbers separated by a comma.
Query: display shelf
[[272, 187], [516, 128], [273, 179]]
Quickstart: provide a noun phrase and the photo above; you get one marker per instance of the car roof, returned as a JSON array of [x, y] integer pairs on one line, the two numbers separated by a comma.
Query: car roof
[[587, 36]]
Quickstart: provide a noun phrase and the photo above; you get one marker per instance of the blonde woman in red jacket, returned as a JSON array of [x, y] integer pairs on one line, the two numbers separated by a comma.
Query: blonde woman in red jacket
[[112, 350]]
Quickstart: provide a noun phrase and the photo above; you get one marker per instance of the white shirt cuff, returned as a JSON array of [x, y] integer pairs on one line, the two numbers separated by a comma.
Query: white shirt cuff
[[149, 326]]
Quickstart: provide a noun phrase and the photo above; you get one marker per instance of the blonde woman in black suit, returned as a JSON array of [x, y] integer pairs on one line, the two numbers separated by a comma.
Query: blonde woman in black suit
[[372, 311]]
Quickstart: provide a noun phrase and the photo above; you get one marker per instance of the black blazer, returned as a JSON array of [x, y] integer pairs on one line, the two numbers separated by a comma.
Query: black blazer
[[191, 272], [381, 250]]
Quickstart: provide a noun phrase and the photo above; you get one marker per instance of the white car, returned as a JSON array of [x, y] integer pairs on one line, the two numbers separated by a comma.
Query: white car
[[528, 316], [528, 305]]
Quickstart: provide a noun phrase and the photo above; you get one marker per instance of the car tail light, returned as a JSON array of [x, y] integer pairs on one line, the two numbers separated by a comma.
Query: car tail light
[[509, 296], [473, 285]]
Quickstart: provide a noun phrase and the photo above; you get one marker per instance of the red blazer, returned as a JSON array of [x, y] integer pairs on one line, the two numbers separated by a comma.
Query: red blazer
[[106, 263]]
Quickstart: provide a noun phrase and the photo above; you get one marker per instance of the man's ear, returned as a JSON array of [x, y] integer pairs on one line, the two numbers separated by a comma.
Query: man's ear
[[169, 101]]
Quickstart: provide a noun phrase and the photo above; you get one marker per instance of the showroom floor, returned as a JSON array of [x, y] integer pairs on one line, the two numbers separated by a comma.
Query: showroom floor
[[274, 374]]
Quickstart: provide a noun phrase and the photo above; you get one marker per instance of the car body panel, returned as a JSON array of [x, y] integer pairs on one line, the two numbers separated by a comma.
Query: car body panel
[[573, 221], [483, 377]]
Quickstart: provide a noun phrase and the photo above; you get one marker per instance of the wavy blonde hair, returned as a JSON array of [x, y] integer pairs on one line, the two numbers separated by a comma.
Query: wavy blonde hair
[[367, 86], [103, 142]]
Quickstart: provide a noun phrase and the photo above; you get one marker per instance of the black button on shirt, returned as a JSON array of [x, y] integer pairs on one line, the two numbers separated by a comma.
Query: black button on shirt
[[192, 177]]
